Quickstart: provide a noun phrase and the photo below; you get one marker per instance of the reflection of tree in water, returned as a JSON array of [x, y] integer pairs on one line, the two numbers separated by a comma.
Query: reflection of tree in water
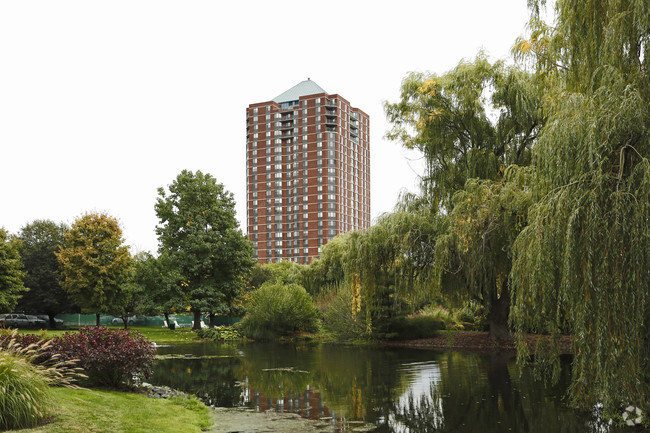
[[484, 399], [398, 390], [213, 379]]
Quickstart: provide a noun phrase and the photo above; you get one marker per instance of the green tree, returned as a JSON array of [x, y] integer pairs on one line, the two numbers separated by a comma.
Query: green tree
[[472, 124], [95, 263], [581, 265], [473, 256], [11, 273], [469, 123], [159, 282], [199, 232], [40, 241]]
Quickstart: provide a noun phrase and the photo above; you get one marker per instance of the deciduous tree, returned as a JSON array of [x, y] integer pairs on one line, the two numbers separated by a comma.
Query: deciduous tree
[[581, 265], [159, 282], [95, 263], [199, 232], [40, 241], [11, 273], [472, 125]]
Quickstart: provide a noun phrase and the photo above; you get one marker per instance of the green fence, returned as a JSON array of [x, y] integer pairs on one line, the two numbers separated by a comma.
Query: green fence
[[182, 321]]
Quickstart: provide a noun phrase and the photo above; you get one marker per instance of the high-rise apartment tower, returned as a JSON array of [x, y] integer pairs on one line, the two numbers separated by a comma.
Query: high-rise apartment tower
[[308, 172]]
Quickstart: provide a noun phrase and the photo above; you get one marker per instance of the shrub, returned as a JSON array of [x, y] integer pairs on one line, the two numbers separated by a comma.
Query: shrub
[[410, 328], [109, 357], [24, 394], [472, 316], [338, 315], [278, 309], [21, 340], [220, 333], [24, 383]]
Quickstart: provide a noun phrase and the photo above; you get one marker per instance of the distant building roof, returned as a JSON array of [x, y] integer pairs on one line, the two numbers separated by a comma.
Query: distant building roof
[[304, 88]]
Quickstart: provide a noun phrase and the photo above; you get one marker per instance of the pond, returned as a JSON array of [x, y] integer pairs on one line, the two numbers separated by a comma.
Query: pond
[[391, 389]]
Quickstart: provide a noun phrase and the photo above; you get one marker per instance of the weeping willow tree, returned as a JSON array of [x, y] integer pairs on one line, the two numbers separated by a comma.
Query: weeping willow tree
[[386, 267], [582, 265], [469, 123], [473, 256], [472, 125]]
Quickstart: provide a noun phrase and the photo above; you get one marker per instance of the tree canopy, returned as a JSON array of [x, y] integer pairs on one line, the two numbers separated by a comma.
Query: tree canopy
[[581, 265], [474, 124], [199, 233], [469, 123], [95, 263], [11, 273], [40, 241], [159, 282]]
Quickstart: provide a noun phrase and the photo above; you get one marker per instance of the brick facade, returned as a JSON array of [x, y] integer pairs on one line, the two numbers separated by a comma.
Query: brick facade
[[308, 174]]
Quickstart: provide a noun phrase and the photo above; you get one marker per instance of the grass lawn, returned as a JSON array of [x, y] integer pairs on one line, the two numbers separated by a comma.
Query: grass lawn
[[157, 335], [95, 411]]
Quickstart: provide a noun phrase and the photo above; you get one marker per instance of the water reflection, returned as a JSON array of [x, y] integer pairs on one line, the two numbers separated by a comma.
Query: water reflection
[[396, 390]]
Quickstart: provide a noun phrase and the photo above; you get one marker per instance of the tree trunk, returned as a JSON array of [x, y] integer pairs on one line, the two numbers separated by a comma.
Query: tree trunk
[[197, 320], [97, 322], [52, 321], [211, 320], [498, 316], [125, 319], [169, 325]]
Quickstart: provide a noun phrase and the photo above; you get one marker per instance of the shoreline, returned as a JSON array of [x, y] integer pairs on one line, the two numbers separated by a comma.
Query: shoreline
[[477, 341]]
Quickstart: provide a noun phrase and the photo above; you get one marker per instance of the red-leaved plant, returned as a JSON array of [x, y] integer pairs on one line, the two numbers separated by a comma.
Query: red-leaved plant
[[109, 358]]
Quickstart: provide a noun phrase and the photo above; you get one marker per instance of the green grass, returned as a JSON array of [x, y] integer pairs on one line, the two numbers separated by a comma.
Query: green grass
[[95, 411], [157, 335]]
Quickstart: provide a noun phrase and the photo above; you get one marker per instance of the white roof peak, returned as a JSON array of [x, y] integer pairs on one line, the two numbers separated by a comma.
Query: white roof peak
[[304, 88]]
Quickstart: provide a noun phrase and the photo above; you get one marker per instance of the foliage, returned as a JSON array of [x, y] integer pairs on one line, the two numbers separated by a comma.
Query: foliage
[[340, 317], [474, 256], [95, 263], [159, 281], [447, 117], [581, 265], [414, 327], [24, 399], [388, 266], [326, 272], [220, 333], [25, 379], [109, 357], [16, 339], [40, 241], [278, 309], [199, 233], [474, 125], [470, 316], [11, 274]]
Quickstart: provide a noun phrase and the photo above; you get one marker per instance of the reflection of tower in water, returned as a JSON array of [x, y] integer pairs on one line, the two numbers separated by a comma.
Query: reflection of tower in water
[[308, 404]]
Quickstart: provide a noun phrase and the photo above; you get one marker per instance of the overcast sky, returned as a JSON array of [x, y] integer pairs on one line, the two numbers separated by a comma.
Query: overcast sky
[[102, 102]]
